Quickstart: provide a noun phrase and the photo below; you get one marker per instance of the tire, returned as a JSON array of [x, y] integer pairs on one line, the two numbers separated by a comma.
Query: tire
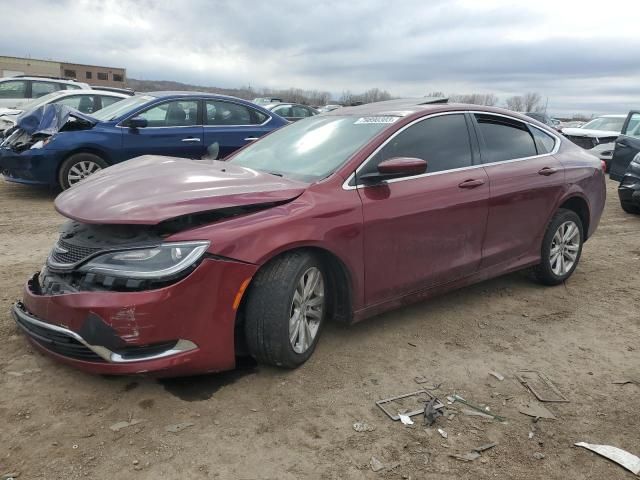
[[275, 299], [553, 268], [630, 208], [79, 165]]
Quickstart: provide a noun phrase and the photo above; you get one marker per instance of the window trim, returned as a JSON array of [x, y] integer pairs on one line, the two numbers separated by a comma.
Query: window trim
[[351, 177]]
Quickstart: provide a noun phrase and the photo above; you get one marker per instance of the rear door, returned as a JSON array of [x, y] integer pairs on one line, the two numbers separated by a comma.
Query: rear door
[[14, 93], [526, 181], [173, 129], [627, 146], [427, 229], [231, 125]]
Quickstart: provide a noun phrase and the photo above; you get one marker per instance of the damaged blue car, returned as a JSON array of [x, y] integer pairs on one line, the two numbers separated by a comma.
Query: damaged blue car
[[57, 146]]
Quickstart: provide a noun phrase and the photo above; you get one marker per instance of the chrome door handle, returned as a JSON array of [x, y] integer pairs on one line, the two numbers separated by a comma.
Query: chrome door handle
[[546, 171], [471, 183], [621, 145], [250, 139], [191, 140]]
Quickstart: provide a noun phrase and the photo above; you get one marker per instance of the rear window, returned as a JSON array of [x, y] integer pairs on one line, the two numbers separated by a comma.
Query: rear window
[[13, 89], [504, 139], [544, 142]]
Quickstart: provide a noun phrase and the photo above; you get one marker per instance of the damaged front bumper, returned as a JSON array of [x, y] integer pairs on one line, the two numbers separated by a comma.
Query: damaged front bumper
[[33, 166], [185, 328]]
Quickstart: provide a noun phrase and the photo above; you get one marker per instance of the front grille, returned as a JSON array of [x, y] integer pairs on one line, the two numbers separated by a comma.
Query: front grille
[[69, 254], [584, 142], [58, 342]]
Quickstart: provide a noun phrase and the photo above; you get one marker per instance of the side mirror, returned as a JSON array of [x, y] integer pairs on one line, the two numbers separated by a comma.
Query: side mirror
[[137, 122], [396, 168]]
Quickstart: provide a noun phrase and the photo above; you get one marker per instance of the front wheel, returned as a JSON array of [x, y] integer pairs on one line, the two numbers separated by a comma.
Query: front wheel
[[78, 167], [285, 310], [561, 248]]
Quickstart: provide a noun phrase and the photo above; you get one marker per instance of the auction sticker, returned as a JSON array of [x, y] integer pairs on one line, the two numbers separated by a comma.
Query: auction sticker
[[387, 119]]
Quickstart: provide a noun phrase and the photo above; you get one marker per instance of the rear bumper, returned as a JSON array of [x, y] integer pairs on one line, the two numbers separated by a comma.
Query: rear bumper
[[629, 190], [183, 329]]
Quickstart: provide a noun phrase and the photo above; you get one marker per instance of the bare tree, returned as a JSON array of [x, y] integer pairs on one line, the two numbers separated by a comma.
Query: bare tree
[[533, 102], [474, 98], [515, 103]]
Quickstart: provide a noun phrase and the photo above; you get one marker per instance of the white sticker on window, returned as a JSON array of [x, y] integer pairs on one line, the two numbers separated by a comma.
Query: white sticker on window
[[387, 119]]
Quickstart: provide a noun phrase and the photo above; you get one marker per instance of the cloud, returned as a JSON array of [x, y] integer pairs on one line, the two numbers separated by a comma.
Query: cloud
[[578, 57]]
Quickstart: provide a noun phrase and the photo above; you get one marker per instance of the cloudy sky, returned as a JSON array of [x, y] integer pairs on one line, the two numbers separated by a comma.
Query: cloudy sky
[[584, 57]]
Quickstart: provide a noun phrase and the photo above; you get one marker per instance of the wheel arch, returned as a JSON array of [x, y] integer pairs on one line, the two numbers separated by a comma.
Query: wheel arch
[[579, 205], [93, 150]]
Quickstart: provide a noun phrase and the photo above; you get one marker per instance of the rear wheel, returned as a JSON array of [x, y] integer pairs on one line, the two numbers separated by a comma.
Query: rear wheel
[[78, 167], [561, 248], [285, 310]]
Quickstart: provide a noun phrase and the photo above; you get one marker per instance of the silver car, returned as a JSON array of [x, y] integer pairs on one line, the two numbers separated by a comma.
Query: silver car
[[16, 91]]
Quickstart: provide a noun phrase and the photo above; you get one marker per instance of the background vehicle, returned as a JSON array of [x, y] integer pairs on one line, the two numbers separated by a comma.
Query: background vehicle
[[266, 100], [292, 111], [328, 108], [343, 215], [629, 189], [14, 91], [85, 101], [543, 118], [627, 146], [179, 124]]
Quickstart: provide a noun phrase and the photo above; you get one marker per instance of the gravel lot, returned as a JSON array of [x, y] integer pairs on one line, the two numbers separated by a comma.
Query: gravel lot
[[274, 424]]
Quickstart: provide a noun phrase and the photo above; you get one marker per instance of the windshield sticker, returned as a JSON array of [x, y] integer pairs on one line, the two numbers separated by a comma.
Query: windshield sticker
[[387, 119]]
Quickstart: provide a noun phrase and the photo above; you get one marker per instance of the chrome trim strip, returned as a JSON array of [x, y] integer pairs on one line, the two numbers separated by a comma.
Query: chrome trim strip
[[346, 186], [112, 357]]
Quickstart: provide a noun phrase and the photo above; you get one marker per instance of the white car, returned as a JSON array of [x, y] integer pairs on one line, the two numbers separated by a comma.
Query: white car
[[85, 101], [15, 91], [598, 135]]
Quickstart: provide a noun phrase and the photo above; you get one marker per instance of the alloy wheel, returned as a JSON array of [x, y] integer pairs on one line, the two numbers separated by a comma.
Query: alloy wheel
[[81, 170], [307, 309], [564, 248]]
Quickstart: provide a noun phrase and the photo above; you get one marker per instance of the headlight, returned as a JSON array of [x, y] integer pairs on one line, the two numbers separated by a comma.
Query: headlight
[[155, 263], [636, 159]]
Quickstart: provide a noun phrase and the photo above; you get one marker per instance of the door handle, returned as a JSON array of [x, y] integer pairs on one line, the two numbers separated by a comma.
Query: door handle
[[621, 145], [191, 140], [473, 183], [546, 171], [250, 139]]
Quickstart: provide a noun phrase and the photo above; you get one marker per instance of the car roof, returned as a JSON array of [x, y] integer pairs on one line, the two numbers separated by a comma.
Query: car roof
[[43, 79], [615, 115], [275, 104], [85, 91], [188, 93]]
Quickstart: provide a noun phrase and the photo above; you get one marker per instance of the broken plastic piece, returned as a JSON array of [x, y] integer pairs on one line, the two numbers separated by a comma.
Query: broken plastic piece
[[458, 398], [405, 419], [116, 427], [467, 457], [442, 433], [363, 427], [536, 410], [497, 375], [615, 454], [484, 447], [541, 386], [376, 465]]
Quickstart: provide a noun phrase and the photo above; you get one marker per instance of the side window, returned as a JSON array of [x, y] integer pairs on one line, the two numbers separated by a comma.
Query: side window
[[38, 89], [633, 128], [544, 141], [504, 139], [106, 101], [301, 112], [70, 86], [13, 89], [442, 141], [227, 113], [283, 111], [82, 103], [172, 114]]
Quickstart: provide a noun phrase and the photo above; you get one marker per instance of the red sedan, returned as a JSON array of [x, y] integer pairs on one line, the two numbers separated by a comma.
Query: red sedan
[[176, 267]]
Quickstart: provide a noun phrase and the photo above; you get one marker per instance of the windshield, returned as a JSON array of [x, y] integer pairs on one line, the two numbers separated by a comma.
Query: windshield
[[36, 102], [121, 108], [313, 148], [612, 124]]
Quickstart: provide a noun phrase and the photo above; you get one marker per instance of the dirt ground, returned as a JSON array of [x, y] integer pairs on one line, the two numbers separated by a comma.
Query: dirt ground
[[265, 423]]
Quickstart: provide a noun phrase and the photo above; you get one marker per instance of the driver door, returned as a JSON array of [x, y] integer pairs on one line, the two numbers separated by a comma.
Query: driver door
[[627, 146]]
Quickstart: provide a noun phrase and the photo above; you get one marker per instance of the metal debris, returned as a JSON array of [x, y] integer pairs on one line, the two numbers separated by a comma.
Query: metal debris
[[615, 454], [475, 413], [116, 427], [497, 375], [536, 410], [467, 457], [484, 410], [376, 465], [541, 386], [443, 433], [178, 427], [363, 427], [431, 413], [405, 404], [484, 447]]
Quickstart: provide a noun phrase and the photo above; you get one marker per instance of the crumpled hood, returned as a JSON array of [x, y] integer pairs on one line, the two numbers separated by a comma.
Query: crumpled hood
[[49, 119], [10, 111], [150, 189], [586, 132]]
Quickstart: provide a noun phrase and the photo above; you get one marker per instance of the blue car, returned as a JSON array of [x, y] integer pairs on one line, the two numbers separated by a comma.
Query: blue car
[[60, 147]]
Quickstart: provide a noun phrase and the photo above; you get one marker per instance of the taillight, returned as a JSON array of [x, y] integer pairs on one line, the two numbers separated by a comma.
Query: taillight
[[603, 164]]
